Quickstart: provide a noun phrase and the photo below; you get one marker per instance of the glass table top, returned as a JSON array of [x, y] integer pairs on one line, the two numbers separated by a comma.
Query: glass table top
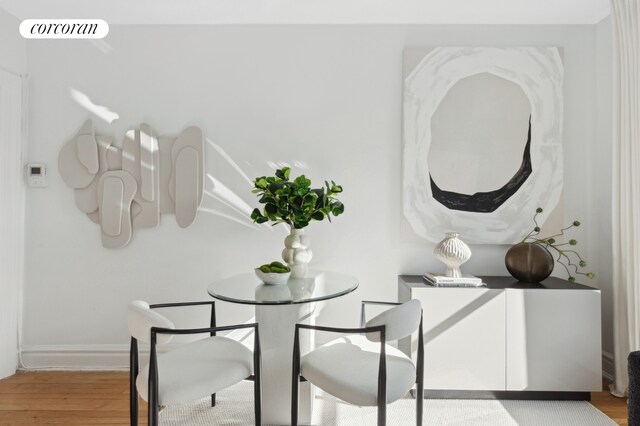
[[317, 285]]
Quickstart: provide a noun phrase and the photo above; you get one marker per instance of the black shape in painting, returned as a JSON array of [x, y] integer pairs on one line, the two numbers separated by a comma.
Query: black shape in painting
[[487, 202]]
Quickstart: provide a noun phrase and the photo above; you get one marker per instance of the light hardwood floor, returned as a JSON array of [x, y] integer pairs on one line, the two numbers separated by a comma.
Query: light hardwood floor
[[88, 398]]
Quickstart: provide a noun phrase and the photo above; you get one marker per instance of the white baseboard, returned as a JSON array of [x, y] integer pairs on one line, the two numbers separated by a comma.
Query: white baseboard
[[116, 357], [74, 357], [96, 357], [608, 366]]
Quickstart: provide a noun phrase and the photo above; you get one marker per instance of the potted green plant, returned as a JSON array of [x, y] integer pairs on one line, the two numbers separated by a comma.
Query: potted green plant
[[532, 259], [295, 203]]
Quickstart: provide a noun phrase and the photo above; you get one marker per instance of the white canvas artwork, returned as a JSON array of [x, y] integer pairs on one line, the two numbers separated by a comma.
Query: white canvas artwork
[[482, 140]]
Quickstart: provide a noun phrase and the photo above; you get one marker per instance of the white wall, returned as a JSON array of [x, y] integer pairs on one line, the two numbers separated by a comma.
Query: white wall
[[13, 48], [325, 96], [13, 63]]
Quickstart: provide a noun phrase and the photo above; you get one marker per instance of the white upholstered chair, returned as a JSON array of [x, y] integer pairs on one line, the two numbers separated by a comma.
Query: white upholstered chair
[[362, 369], [191, 371]]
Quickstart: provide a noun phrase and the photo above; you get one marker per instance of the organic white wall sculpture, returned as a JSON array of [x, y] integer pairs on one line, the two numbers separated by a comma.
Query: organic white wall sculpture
[[187, 178], [125, 188]]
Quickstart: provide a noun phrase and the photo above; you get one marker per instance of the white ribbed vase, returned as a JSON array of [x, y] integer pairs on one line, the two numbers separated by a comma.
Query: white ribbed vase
[[453, 252]]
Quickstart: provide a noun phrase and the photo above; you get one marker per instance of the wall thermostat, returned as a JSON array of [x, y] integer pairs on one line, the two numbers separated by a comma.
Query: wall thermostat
[[36, 175]]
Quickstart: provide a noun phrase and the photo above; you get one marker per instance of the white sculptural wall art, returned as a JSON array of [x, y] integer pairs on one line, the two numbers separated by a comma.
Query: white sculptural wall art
[[130, 187]]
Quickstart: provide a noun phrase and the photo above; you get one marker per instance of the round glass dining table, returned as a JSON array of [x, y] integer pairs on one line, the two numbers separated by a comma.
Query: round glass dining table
[[316, 286], [278, 308]]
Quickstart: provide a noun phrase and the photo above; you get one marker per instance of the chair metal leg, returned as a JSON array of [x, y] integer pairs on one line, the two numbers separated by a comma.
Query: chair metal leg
[[153, 409], [382, 414], [419, 394], [152, 403], [382, 381], [295, 378], [257, 401], [257, 386], [420, 376], [419, 404], [212, 323], [133, 375], [154, 414]]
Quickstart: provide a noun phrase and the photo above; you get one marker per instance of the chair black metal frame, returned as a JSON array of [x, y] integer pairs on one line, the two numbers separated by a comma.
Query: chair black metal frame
[[153, 406], [296, 378]]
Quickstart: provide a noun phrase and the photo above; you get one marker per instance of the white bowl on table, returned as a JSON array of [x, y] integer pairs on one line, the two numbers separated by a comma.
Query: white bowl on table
[[273, 278]]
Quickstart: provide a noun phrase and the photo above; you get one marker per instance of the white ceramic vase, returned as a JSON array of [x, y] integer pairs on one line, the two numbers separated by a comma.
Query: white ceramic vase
[[453, 252], [297, 253]]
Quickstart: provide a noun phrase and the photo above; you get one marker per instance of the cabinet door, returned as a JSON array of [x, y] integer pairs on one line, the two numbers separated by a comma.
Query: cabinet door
[[553, 340], [464, 334]]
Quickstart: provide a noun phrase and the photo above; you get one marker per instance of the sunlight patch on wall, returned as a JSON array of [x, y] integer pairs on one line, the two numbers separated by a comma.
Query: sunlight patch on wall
[[100, 111]]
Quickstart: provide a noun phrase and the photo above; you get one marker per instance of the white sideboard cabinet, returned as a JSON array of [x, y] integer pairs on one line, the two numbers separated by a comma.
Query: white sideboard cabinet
[[508, 339]]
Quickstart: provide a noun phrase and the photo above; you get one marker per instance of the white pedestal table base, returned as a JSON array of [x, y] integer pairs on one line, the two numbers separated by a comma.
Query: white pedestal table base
[[277, 326]]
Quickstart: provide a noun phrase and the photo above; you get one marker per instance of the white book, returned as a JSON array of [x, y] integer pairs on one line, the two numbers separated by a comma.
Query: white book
[[442, 281], [456, 284]]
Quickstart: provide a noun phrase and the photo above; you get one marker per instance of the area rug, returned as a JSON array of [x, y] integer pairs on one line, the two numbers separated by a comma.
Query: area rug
[[234, 406]]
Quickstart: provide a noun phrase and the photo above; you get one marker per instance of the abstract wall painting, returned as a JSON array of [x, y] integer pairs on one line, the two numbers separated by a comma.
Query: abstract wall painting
[[482, 140]]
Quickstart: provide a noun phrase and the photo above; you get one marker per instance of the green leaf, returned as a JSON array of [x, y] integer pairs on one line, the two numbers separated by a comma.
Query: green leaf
[[255, 214], [317, 215], [283, 173], [337, 208], [273, 187], [301, 224], [336, 189], [262, 220], [302, 181], [271, 209], [267, 199], [283, 192], [311, 198], [296, 200], [261, 183]]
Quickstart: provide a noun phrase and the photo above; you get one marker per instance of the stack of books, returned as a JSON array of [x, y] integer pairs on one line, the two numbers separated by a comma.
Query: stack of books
[[443, 281]]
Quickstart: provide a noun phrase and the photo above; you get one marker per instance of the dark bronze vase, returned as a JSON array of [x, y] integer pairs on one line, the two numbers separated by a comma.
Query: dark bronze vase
[[529, 262]]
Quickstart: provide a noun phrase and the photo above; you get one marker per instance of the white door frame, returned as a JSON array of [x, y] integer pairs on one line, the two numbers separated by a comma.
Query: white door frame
[[12, 212]]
